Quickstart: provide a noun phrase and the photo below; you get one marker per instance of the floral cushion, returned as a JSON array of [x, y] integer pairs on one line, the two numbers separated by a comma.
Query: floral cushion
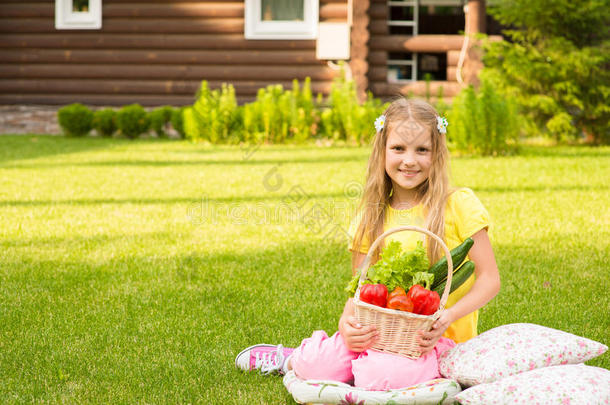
[[571, 384], [438, 391], [512, 349]]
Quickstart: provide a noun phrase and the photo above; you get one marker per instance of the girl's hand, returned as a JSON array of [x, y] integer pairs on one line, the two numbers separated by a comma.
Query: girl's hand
[[427, 340], [357, 338]]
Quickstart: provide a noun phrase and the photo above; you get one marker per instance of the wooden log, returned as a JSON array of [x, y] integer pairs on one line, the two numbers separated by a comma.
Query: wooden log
[[175, 10], [160, 10], [157, 87], [98, 40], [260, 58], [453, 57], [450, 89], [378, 74], [100, 100], [127, 25], [96, 99], [451, 73], [378, 58], [168, 72], [378, 27], [419, 43], [476, 17], [29, 10], [127, 10], [359, 49], [378, 11], [333, 12]]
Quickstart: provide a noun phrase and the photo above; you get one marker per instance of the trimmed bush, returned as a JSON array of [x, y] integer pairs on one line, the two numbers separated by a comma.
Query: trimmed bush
[[75, 119], [104, 122], [133, 120], [159, 118], [178, 121]]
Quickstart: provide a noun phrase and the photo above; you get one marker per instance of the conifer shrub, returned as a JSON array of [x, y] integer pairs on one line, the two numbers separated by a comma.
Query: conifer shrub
[[483, 122]]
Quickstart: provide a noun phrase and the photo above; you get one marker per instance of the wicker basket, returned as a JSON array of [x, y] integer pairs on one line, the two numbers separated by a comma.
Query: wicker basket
[[397, 329]]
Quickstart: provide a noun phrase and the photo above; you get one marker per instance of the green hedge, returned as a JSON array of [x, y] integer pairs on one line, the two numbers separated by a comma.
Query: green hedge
[[130, 121], [480, 121]]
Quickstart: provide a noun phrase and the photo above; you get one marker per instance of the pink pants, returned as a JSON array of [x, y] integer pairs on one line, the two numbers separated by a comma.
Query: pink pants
[[327, 358]]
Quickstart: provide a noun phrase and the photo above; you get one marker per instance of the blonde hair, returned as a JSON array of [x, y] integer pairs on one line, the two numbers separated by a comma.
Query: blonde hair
[[431, 194]]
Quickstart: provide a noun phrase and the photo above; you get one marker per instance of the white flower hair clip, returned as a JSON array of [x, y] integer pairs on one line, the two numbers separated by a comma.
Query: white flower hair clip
[[380, 122], [441, 124]]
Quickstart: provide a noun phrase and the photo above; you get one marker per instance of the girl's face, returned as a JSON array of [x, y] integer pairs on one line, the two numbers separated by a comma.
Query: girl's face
[[408, 156]]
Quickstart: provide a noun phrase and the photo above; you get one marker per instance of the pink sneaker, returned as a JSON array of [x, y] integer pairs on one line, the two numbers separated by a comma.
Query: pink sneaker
[[266, 358]]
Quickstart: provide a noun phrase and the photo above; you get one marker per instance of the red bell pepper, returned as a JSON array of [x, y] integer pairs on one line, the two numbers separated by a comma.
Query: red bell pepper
[[376, 294], [398, 300], [397, 291], [425, 302]]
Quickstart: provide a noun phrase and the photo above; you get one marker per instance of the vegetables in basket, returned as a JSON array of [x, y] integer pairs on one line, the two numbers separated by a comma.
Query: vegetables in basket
[[459, 277], [458, 254], [425, 302], [397, 268], [376, 294], [398, 300]]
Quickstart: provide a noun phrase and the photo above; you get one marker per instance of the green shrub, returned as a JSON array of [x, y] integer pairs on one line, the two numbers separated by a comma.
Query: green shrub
[[177, 120], [483, 123], [133, 120], [75, 119], [344, 118], [214, 114], [104, 122], [279, 115], [159, 119]]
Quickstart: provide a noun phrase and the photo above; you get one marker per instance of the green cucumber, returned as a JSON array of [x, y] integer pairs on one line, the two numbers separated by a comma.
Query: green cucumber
[[459, 277], [458, 254]]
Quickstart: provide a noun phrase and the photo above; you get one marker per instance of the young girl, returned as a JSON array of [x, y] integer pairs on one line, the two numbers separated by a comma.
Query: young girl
[[407, 183]]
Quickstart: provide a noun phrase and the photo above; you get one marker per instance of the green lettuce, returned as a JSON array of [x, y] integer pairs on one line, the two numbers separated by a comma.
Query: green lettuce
[[398, 268]]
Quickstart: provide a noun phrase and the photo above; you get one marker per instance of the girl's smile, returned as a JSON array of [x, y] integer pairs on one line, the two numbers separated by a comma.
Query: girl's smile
[[408, 160]]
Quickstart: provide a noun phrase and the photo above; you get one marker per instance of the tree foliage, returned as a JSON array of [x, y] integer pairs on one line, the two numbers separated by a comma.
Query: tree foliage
[[555, 64]]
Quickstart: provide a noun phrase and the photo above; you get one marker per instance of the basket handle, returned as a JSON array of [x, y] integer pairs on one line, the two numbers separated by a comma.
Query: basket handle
[[367, 260]]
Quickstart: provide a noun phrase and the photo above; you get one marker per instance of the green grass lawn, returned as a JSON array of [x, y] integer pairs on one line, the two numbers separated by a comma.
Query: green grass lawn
[[135, 271]]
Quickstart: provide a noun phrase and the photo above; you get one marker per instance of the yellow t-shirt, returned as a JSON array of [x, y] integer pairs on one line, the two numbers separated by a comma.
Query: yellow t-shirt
[[464, 216]]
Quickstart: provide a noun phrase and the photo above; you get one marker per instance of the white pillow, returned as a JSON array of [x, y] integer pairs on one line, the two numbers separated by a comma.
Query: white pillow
[[434, 391], [512, 349], [572, 384]]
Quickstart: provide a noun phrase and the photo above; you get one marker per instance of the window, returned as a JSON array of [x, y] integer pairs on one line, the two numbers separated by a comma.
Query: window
[[78, 14], [281, 19]]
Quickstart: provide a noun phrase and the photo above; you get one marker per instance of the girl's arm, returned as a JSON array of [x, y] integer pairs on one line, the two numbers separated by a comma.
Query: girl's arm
[[358, 338], [485, 287]]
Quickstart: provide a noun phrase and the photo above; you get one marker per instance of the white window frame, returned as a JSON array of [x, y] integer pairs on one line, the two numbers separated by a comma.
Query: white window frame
[[256, 28], [66, 19]]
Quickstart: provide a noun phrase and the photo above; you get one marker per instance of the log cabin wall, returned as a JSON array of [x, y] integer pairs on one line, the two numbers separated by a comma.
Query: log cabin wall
[[151, 52]]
